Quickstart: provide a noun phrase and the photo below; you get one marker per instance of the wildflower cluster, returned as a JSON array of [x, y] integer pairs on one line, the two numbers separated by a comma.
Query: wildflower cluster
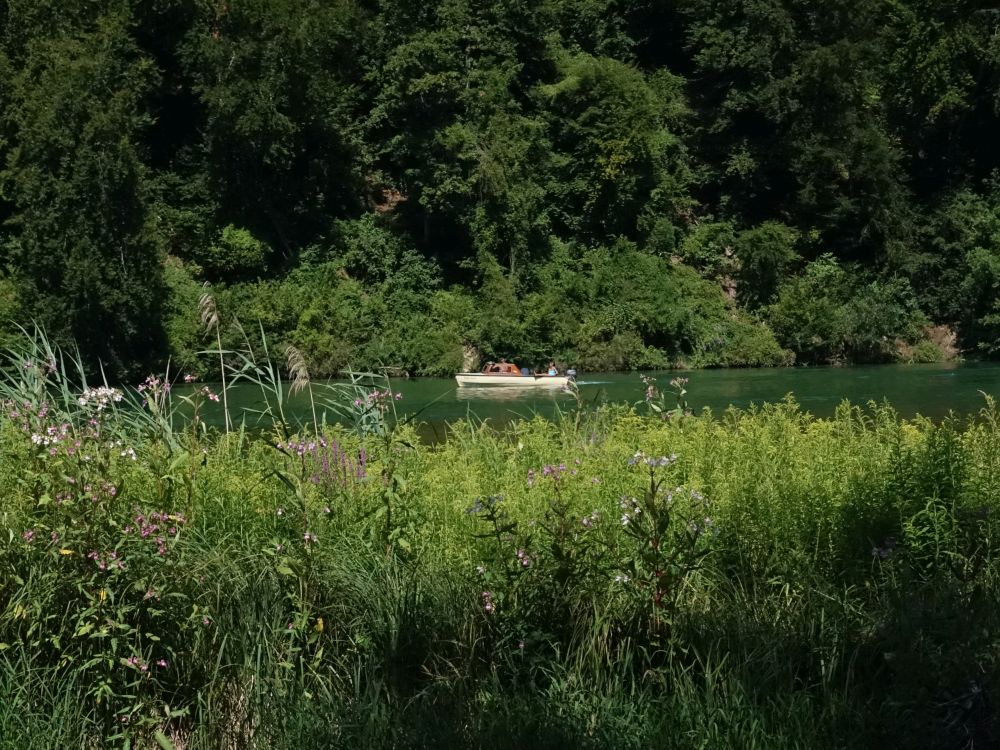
[[554, 472], [326, 462], [660, 462], [106, 560], [630, 507], [99, 399], [51, 435], [155, 391], [656, 400], [301, 447], [489, 607], [153, 385], [156, 527], [209, 393], [142, 665], [379, 399], [669, 528], [652, 391], [99, 490]]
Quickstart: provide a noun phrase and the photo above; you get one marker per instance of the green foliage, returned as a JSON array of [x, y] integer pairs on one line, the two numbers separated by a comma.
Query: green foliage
[[331, 173], [765, 255], [275, 125], [85, 256], [829, 316], [184, 330], [709, 247], [618, 157], [11, 311], [236, 253]]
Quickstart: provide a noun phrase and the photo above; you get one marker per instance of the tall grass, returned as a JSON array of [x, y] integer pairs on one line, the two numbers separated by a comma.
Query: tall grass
[[485, 592]]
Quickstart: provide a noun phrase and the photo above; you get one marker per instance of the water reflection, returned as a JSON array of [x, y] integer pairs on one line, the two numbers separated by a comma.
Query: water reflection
[[505, 393]]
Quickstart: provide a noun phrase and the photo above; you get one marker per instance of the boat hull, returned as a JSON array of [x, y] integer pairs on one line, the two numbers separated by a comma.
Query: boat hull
[[526, 381]]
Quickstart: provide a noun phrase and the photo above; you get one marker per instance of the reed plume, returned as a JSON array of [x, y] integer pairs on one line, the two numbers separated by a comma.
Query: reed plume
[[209, 314], [299, 372]]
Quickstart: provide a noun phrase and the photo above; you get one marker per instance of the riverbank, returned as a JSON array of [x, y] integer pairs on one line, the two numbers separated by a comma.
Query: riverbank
[[608, 579]]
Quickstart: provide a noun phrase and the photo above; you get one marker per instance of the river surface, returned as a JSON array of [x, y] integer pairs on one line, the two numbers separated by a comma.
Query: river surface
[[929, 390]]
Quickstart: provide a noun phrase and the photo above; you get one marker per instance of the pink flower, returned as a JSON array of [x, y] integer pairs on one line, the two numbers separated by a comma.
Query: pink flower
[[488, 606]]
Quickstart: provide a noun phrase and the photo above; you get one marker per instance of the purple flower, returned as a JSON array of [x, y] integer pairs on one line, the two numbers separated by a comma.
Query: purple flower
[[488, 606]]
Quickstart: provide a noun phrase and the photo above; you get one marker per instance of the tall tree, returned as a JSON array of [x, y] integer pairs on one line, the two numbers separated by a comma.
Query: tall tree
[[942, 80], [277, 81], [83, 249], [793, 123]]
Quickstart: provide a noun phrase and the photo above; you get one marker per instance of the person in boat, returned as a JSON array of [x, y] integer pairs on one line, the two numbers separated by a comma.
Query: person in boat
[[552, 371], [503, 367]]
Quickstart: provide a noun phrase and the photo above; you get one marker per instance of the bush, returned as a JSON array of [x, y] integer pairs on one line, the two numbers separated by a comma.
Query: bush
[[235, 254], [832, 314]]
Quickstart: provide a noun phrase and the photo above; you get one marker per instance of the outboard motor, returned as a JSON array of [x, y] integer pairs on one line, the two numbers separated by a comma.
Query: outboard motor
[[571, 373]]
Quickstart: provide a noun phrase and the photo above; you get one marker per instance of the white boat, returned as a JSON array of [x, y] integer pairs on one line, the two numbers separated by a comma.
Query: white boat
[[509, 379]]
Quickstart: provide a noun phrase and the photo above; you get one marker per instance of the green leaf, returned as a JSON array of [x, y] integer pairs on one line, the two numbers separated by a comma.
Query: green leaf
[[179, 461], [162, 741]]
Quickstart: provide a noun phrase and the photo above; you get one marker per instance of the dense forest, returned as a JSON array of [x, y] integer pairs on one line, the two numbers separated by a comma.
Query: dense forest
[[404, 183]]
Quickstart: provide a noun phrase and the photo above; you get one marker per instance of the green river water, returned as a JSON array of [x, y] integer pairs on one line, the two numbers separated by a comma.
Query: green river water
[[929, 390]]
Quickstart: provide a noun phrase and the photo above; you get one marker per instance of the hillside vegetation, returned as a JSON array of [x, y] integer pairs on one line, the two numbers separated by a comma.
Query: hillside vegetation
[[396, 183]]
